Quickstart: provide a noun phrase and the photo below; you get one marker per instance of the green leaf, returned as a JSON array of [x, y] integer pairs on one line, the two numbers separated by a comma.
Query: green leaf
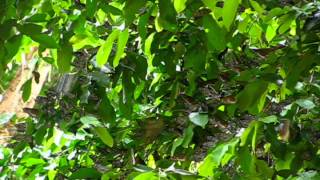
[[86, 173], [12, 46], [26, 90], [257, 7], [269, 119], [104, 135], [305, 103], [64, 57], [142, 26], [110, 9], [196, 59], [105, 50], [215, 34], [271, 30], [30, 29], [147, 176], [179, 5], [187, 136], [253, 96], [229, 12], [28, 161], [6, 117], [251, 133], [45, 40], [199, 119], [176, 143], [91, 8], [247, 162], [122, 41], [89, 121], [130, 10], [167, 16], [138, 90], [7, 29], [39, 17], [214, 159], [285, 163]]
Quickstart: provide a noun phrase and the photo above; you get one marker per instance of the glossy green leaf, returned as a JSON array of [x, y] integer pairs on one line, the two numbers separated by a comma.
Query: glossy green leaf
[[104, 135], [26, 90], [199, 119], [105, 50], [179, 5], [229, 12], [121, 44]]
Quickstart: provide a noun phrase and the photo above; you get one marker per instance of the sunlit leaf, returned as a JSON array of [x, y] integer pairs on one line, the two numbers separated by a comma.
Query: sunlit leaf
[[121, 44], [271, 30], [105, 50], [179, 5], [229, 12]]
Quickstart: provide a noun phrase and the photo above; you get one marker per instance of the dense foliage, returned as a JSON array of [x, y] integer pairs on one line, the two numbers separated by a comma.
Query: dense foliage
[[172, 89]]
